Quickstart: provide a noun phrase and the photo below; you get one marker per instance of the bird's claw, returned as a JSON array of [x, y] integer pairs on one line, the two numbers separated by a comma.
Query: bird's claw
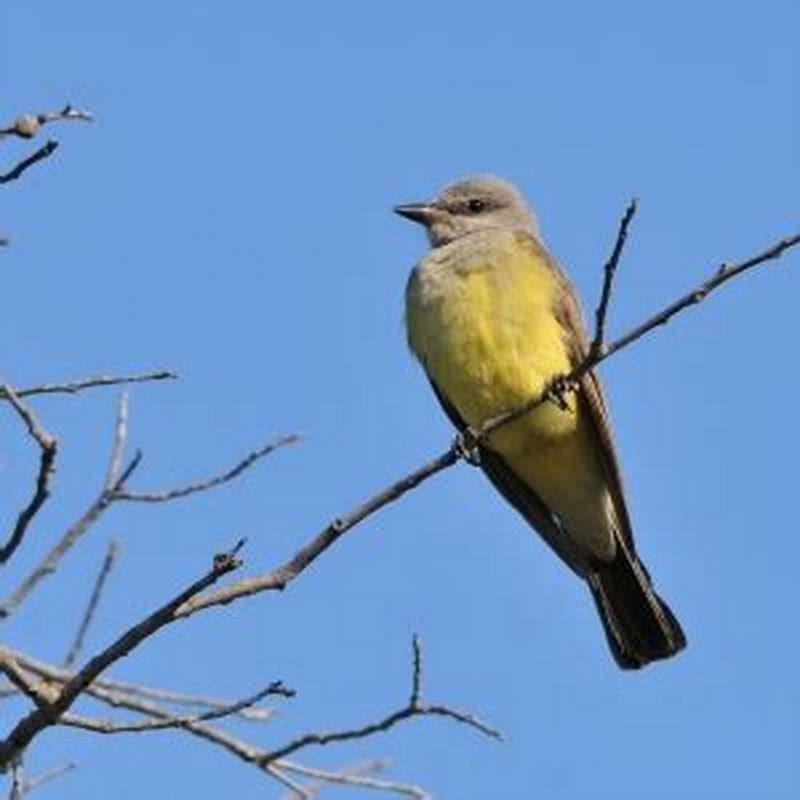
[[466, 445], [559, 390]]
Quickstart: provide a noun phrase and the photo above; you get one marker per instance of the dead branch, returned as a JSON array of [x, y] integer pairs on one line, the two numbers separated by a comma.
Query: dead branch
[[114, 490], [609, 271], [353, 776], [276, 688], [165, 495], [48, 714], [73, 387], [45, 151], [94, 600], [33, 783], [95, 510], [414, 708], [119, 694], [27, 126], [54, 681], [48, 447]]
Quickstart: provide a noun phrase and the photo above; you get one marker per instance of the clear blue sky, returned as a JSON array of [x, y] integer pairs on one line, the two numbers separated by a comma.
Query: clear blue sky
[[228, 216]]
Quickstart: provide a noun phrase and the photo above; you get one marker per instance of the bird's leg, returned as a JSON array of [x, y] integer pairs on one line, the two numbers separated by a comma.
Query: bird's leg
[[466, 446]]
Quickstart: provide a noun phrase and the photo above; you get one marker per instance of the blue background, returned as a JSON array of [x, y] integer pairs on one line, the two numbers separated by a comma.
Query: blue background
[[228, 216]]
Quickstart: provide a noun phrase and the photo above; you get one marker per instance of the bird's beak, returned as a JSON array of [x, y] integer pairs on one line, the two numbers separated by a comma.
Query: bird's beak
[[422, 213]]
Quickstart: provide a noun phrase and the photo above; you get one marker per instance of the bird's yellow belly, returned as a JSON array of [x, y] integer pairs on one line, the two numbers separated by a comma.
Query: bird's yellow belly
[[490, 341]]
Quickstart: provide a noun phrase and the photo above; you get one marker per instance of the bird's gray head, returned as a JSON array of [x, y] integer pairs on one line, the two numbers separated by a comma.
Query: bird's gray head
[[471, 205]]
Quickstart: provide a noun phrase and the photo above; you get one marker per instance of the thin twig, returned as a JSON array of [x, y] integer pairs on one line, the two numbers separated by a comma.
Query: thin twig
[[414, 708], [28, 125], [119, 690], [118, 447], [609, 270], [46, 715], [17, 780], [94, 599], [31, 784], [291, 784], [183, 721], [279, 578], [72, 387], [48, 447], [45, 151], [354, 776], [204, 485]]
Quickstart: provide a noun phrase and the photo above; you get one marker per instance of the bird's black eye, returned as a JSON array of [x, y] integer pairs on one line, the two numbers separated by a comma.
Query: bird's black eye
[[476, 205]]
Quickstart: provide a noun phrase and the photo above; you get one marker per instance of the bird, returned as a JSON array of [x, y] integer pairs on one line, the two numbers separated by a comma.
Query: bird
[[494, 321]]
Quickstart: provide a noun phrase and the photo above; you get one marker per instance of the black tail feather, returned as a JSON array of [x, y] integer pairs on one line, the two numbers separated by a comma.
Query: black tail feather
[[639, 625]]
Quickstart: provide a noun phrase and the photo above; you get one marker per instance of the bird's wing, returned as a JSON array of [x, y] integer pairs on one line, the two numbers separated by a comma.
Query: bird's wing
[[590, 392], [519, 494]]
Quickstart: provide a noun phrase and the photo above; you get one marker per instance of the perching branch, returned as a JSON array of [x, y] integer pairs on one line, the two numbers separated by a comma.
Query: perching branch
[[48, 447], [280, 577]]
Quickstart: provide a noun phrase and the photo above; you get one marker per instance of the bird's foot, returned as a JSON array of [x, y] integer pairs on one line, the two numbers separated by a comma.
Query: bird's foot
[[559, 389], [466, 445]]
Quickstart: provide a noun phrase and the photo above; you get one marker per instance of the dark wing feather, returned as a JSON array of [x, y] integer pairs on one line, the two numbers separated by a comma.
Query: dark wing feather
[[519, 494], [590, 393]]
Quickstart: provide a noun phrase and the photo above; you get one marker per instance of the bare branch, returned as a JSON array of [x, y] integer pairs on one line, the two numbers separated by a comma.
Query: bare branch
[[48, 447], [353, 776], [33, 783], [280, 577], [207, 483], [414, 708], [114, 491], [118, 447], [297, 789], [46, 715], [72, 387], [45, 151], [50, 562], [609, 270], [119, 693], [28, 125], [94, 599], [157, 718], [185, 721]]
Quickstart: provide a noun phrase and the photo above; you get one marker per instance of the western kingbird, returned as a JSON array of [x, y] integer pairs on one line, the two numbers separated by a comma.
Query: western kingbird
[[494, 320]]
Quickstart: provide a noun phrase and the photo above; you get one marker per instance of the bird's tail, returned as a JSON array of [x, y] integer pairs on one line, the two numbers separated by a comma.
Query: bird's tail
[[639, 625]]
